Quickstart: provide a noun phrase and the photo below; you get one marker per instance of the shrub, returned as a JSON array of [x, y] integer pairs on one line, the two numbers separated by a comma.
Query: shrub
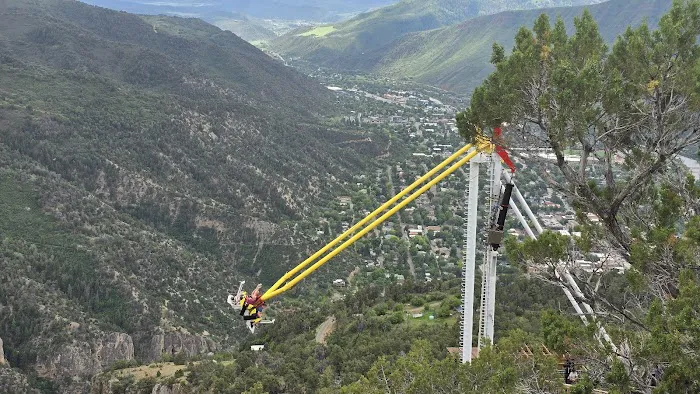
[[396, 318], [417, 301], [180, 358], [123, 364]]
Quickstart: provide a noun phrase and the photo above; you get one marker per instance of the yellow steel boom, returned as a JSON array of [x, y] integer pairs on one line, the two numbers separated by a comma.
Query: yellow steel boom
[[288, 281]]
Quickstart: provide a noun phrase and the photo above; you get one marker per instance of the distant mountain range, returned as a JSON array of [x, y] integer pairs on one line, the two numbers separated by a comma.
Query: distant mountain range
[[400, 43], [314, 10], [259, 20], [373, 30], [457, 57]]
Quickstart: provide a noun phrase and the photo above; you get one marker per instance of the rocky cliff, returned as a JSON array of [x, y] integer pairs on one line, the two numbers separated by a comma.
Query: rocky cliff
[[172, 343], [2, 354], [86, 359], [168, 389]]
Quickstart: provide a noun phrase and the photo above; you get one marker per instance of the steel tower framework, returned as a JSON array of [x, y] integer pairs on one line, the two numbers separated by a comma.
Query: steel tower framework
[[488, 289]]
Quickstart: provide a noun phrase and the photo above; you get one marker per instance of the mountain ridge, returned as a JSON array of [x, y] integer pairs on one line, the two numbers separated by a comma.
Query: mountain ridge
[[373, 30], [276, 9], [456, 57], [185, 56], [461, 68]]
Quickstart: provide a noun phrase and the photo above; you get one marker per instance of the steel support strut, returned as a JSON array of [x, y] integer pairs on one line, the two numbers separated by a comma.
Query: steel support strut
[[488, 268], [566, 280]]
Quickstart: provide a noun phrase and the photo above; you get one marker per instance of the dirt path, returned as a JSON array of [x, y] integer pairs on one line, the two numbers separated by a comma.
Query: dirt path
[[404, 236], [325, 329], [353, 273], [257, 252], [388, 150], [368, 139]]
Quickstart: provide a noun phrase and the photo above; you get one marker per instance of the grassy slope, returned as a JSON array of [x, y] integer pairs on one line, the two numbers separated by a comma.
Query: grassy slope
[[356, 38], [319, 31], [246, 29], [457, 57]]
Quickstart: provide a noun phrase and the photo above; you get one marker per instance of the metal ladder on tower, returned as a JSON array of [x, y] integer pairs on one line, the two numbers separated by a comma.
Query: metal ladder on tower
[[471, 216], [482, 308], [490, 256], [486, 209], [465, 237]]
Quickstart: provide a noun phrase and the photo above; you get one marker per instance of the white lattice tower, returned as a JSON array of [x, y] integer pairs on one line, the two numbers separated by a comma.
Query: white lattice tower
[[488, 268], [488, 293], [471, 200]]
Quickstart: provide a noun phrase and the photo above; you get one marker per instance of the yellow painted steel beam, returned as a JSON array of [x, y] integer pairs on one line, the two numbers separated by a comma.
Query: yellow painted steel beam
[[376, 212], [482, 145]]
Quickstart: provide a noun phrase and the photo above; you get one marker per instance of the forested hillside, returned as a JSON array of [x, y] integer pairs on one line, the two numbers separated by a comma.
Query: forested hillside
[[346, 45], [146, 165], [373, 331]]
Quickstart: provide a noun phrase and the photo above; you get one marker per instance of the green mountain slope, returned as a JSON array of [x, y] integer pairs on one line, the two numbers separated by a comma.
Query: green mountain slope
[[76, 35], [146, 166], [359, 36], [457, 57]]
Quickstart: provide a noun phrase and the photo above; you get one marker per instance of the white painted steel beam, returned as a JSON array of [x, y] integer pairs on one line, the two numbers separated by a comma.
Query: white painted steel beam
[[520, 217], [562, 273], [492, 257], [469, 261]]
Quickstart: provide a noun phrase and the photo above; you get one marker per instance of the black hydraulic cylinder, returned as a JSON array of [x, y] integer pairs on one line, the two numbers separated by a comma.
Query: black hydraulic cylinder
[[505, 204], [496, 234]]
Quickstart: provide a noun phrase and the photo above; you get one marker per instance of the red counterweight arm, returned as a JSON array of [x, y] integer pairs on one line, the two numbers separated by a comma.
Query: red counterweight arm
[[497, 137]]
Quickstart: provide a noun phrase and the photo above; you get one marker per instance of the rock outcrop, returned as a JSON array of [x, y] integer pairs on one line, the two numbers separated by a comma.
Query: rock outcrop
[[114, 347], [2, 354], [176, 342], [86, 359], [166, 389]]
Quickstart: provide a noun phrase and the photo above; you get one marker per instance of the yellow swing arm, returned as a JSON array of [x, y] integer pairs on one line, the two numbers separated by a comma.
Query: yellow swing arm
[[482, 145]]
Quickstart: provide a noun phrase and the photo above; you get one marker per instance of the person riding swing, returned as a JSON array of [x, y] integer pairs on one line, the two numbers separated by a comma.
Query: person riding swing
[[253, 305], [249, 306]]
